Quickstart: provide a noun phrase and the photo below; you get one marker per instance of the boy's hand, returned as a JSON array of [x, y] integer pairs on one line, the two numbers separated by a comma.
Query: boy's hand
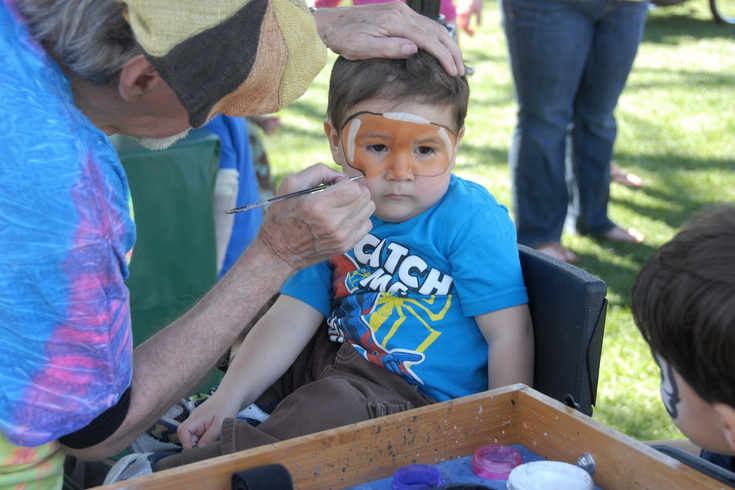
[[204, 425], [389, 30]]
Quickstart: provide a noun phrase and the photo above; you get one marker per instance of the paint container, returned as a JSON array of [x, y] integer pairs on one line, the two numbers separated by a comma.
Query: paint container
[[417, 477], [495, 461], [549, 475]]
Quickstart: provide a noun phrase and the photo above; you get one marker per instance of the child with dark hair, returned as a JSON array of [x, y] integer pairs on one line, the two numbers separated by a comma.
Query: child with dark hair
[[429, 306], [684, 305]]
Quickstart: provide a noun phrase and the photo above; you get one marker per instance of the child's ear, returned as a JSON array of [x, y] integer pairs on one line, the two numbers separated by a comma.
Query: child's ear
[[460, 135], [453, 161], [728, 419], [333, 137]]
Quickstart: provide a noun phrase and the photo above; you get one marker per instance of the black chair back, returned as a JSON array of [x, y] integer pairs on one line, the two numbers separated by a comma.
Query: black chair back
[[568, 308]]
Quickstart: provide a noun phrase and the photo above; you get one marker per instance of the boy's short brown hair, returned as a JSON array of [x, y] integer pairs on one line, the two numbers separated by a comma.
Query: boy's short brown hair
[[419, 77], [684, 304]]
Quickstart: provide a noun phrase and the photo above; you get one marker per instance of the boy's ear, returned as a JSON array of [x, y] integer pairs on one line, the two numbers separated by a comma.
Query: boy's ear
[[728, 419], [333, 137], [453, 162], [138, 79], [460, 134]]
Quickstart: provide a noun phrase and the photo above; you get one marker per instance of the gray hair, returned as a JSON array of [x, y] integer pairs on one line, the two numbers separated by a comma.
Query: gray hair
[[89, 37]]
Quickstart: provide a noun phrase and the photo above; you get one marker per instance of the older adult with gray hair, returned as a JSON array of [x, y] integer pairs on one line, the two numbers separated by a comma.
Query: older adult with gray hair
[[75, 71]]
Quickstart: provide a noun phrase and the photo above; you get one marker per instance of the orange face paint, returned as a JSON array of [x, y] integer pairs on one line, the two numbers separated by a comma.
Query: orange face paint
[[397, 142]]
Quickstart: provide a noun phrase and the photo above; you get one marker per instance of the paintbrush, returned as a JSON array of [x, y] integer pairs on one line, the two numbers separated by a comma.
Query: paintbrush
[[311, 190]]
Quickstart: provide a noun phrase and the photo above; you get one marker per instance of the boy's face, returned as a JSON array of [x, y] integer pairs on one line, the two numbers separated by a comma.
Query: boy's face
[[709, 426], [406, 150]]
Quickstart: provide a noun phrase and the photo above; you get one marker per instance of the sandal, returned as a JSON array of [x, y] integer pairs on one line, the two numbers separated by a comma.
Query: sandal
[[620, 235], [619, 176]]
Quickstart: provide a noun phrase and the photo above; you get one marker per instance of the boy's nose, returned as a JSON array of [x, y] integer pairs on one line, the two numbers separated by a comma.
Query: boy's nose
[[400, 168]]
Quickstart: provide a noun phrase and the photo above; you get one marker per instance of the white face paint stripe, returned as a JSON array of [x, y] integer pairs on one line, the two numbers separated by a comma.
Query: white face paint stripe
[[351, 135], [413, 118], [404, 116], [447, 142], [402, 125]]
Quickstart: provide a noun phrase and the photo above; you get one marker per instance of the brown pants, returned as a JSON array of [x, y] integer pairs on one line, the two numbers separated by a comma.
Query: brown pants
[[328, 386]]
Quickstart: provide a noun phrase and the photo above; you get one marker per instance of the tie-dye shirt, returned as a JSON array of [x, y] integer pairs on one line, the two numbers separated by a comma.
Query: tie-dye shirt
[[65, 231], [25, 468]]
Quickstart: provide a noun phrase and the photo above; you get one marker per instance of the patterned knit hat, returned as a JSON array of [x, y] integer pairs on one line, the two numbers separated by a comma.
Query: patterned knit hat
[[235, 57]]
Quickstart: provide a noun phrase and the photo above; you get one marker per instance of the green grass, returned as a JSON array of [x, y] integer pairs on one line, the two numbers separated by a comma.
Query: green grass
[[676, 130]]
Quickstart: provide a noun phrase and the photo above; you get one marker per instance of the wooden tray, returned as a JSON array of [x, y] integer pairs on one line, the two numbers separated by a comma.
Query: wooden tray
[[371, 450]]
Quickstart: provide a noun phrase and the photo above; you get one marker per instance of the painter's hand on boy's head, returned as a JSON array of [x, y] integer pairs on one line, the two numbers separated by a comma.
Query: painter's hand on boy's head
[[387, 33]]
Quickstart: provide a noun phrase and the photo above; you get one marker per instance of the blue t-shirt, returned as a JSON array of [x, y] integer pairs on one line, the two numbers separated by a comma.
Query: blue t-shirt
[[65, 231], [406, 296]]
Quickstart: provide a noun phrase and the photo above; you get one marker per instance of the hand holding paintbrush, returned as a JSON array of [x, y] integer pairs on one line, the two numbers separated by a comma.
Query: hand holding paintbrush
[[310, 190]]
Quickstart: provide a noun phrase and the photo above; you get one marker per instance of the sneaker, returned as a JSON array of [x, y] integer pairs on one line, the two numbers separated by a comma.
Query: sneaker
[[133, 466], [254, 414]]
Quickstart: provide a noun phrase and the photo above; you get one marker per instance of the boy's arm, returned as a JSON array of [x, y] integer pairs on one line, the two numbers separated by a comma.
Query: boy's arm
[[509, 335], [267, 352]]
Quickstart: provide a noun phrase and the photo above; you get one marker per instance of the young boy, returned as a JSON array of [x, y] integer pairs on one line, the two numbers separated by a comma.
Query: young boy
[[429, 306], [684, 305]]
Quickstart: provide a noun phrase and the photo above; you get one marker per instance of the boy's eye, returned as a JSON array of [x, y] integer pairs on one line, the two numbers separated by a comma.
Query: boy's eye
[[425, 150], [377, 147]]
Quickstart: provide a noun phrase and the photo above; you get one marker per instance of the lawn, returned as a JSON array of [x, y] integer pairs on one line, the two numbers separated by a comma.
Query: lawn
[[676, 130]]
